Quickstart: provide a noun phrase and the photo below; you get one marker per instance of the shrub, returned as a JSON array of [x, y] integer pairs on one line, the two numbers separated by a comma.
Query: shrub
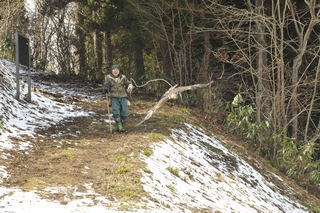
[[242, 117], [296, 158]]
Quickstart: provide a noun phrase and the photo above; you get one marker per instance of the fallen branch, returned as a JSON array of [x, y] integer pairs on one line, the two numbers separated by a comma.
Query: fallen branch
[[172, 93]]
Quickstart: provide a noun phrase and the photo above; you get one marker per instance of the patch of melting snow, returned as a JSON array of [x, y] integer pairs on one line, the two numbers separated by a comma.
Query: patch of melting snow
[[207, 176], [3, 174], [26, 145], [17, 201], [22, 118], [65, 90], [108, 121]]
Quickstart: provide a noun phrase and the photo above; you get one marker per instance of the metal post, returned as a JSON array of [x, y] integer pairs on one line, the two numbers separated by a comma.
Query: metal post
[[17, 67], [29, 75]]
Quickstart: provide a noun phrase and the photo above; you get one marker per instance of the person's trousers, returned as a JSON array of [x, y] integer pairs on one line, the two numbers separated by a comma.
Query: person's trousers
[[119, 108]]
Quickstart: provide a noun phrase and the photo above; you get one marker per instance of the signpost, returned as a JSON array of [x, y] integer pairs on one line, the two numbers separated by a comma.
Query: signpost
[[22, 58]]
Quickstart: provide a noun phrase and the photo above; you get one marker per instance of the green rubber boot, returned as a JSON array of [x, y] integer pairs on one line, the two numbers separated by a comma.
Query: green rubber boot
[[120, 127]]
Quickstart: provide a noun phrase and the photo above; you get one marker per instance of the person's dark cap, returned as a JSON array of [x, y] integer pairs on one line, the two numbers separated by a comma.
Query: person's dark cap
[[114, 67]]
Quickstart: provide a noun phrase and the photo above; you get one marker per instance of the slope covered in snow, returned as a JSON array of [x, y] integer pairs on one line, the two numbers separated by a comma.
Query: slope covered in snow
[[23, 118], [192, 170]]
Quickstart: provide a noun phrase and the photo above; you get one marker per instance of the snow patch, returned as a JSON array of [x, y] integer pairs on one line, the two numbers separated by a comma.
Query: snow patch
[[3, 174], [17, 201], [191, 170], [23, 119]]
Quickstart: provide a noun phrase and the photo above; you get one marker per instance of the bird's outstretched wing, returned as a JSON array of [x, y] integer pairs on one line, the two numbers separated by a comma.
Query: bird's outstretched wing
[[172, 93]]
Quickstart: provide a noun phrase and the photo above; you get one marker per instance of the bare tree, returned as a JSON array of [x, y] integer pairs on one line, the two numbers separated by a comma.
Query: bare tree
[[270, 42], [12, 18], [303, 36], [80, 44], [51, 34], [171, 27]]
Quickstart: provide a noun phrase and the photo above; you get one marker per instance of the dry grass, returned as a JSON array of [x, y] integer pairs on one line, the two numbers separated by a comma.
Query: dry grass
[[111, 162]]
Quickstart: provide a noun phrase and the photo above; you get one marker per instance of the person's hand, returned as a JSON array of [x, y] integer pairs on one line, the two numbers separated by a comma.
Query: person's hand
[[130, 88]]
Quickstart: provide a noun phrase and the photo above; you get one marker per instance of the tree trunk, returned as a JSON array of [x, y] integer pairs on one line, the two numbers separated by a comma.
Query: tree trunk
[[108, 50], [262, 92], [80, 45], [303, 38], [98, 55], [166, 59], [203, 73], [139, 62]]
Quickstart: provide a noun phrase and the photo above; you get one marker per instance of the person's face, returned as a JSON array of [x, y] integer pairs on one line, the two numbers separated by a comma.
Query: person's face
[[115, 72]]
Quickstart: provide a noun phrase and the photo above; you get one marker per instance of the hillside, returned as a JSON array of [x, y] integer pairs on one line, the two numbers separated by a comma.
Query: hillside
[[57, 155]]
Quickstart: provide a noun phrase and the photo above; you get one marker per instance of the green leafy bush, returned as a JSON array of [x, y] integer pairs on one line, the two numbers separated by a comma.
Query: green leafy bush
[[242, 117], [296, 158], [190, 99], [6, 46]]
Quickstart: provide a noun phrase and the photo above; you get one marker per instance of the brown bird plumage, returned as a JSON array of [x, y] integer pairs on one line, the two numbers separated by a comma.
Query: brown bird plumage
[[172, 93]]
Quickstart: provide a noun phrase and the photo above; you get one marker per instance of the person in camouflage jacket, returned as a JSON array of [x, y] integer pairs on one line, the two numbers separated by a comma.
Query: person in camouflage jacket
[[117, 86]]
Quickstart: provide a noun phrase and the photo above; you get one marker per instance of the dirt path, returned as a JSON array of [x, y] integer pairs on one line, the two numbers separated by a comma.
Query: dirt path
[[81, 153]]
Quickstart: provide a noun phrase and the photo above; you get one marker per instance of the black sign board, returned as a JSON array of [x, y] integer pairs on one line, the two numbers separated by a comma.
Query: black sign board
[[23, 46], [22, 58]]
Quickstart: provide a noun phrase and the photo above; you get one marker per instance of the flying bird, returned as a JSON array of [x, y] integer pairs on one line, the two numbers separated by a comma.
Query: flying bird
[[172, 93]]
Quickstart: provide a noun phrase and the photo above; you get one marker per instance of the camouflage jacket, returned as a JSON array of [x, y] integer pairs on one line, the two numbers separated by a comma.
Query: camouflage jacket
[[116, 86]]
